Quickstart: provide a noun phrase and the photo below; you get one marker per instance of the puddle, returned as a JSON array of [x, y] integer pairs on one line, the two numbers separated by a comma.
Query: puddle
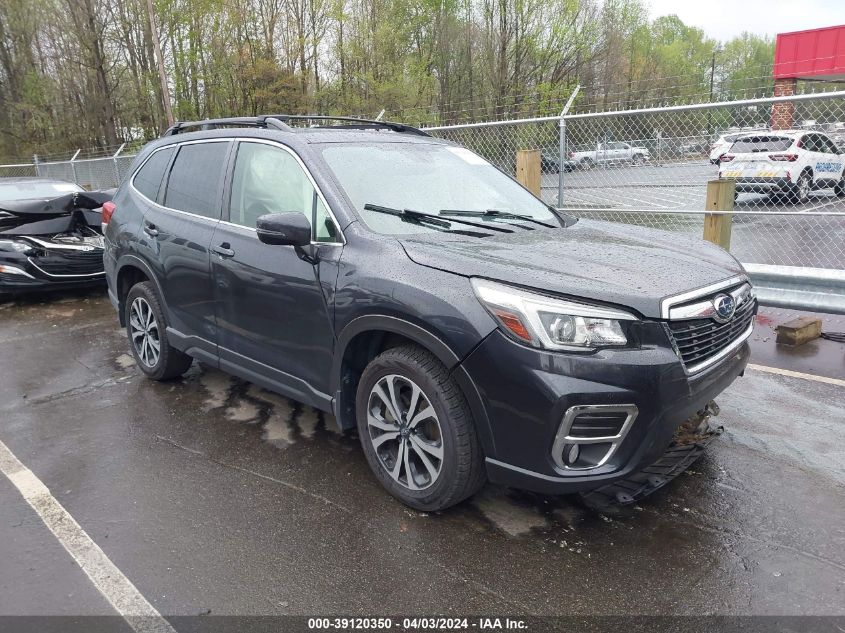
[[512, 518], [217, 385], [125, 361], [242, 411], [562, 520], [283, 421]]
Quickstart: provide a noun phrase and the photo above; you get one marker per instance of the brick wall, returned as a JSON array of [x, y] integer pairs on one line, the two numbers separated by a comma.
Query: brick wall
[[783, 114]]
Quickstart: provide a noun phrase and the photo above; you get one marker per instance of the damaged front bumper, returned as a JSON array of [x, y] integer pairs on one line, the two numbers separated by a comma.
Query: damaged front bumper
[[690, 441], [48, 244], [566, 423]]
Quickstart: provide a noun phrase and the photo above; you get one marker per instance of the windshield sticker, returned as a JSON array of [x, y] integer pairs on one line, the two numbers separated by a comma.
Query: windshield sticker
[[468, 156]]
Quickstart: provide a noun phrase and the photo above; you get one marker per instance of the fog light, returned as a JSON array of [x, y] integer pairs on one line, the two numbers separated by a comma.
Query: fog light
[[572, 454]]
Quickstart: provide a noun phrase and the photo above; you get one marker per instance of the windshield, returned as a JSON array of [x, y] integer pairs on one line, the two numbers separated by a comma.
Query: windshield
[[428, 178], [23, 190], [761, 144]]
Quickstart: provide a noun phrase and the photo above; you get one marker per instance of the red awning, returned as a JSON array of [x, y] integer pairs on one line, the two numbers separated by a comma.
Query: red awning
[[813, 54]]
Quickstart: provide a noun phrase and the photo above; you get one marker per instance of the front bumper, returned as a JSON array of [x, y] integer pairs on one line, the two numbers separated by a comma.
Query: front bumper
[[19, 274], [526, 393]]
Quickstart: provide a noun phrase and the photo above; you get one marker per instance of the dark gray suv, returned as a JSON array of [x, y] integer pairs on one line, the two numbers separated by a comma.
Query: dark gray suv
[[404, 284]]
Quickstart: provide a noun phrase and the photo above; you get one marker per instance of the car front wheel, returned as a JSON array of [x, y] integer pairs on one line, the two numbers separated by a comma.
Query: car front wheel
[[417, 431], [145, 327]]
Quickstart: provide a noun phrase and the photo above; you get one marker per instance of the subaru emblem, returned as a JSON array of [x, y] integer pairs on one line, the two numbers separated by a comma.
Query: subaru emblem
[[724, 307]]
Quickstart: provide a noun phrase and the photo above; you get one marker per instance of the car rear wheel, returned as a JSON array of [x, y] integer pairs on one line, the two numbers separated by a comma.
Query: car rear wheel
[[417, 431], [801, 193], [638, 159], [839, 187], [586, 163], [145, 328]]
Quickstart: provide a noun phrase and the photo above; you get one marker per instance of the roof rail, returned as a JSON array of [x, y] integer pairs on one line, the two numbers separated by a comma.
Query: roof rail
[[279, 122], [206, 124], [354, 122]]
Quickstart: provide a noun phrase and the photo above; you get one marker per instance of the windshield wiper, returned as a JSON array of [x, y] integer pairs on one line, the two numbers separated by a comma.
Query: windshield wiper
[[430, 218], [494, 213]]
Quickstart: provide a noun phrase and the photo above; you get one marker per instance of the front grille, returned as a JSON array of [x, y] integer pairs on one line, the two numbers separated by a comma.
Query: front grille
[[699, 340], [70, 263]]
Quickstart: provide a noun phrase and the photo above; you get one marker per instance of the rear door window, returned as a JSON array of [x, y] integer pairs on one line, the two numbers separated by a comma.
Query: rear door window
[[195, 179], [149, 177], [755, 144]]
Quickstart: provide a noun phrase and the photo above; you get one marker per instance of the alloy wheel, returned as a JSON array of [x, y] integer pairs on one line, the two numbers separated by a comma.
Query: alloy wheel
[[143, 328], [803, 188], [405, 432]]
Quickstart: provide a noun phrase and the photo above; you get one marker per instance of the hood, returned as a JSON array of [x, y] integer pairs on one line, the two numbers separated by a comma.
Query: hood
[[620, 264], [54, 215]]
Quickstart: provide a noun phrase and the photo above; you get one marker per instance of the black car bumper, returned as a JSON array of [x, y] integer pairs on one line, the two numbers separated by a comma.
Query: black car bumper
[[20, 273], [526, 394]]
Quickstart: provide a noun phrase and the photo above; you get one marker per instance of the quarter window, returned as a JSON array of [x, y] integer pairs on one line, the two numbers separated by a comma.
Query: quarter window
[[827, 146], [194, 182], [148, 179], [268, 179]]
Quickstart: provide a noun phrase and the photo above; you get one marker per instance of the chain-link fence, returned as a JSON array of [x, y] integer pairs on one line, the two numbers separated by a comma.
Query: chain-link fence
[[18, 171], [91, 173], [651, 167]]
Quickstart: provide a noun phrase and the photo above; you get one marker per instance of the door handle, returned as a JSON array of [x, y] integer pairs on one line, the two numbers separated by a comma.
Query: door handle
[[150, 229], [224, 250]]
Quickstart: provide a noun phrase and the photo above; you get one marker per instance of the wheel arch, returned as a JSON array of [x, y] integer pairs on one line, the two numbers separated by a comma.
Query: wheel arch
[[366, 337], [362, 340], [131, 270]]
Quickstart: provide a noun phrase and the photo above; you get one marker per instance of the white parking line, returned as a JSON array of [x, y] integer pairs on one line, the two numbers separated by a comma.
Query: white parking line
[[797, 374], [107, 578]]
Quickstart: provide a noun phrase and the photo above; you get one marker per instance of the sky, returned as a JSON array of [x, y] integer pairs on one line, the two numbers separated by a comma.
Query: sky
[[724, 19]]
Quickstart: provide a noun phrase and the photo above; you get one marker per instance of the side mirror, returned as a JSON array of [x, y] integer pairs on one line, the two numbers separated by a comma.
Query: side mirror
[[284, 229]]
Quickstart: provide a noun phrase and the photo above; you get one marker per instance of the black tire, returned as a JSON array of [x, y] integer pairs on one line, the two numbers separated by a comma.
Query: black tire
[[637, 159], [802, 188], [170, 362], [839, 187], [461, 470], [586, 164]]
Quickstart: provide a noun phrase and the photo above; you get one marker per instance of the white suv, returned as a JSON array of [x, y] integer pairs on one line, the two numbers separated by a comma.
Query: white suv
[[792, 162], [722, 145]]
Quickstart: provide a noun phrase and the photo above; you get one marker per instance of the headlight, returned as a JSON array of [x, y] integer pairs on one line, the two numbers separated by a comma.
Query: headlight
[[551, 323], [14, 246]]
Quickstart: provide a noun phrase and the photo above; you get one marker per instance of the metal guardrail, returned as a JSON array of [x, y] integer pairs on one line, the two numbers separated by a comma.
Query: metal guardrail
[[812, 289]]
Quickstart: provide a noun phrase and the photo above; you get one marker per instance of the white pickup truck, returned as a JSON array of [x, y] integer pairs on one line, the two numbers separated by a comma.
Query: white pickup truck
[[609, 153]]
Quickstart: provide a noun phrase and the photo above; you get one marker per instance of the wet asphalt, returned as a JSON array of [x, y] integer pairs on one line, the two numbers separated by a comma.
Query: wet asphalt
[[215, 497]]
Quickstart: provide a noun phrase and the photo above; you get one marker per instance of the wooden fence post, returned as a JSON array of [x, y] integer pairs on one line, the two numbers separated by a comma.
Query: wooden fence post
[[717, 226], [528, 169]]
